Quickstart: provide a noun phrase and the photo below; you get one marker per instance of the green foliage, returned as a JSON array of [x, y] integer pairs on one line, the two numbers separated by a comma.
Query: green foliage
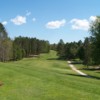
[[5, 45], [25, 47], [68, 50], [3, 33], [17, 52], [87, 52], [53, 47], [80, 53], [60, 49], [95, 32]]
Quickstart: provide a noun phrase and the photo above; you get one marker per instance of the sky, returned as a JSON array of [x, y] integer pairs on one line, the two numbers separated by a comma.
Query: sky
[[50, 20]]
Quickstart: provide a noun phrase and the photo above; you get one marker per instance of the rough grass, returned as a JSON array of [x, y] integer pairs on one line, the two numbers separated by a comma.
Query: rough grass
[[45, 78]]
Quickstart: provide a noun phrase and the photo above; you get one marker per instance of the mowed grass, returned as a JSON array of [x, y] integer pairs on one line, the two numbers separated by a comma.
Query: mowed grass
[[45, 78]]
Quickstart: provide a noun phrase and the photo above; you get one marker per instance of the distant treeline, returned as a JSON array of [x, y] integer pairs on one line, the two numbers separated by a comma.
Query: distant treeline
[[20, 47], [74, 50], [87, 51], [25, 47]]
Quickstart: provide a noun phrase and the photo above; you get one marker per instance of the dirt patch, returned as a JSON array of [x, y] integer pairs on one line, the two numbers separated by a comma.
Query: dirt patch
[[76, 70], [1, 83]]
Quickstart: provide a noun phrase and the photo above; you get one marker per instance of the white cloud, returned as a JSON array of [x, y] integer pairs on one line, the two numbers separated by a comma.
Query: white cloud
[[19, 20], [80, 24], [28, 13], [4, 22], [55, 24], [34, 19], [92, 18]]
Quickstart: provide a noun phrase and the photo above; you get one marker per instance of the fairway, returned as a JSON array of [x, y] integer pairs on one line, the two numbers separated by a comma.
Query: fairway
[[45, 78]]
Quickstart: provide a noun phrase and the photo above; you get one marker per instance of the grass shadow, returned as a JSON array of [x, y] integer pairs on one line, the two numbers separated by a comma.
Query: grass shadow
[[91, 69], [57, 59], [76, 62], [78, 75], [94, 77], [52, 59]]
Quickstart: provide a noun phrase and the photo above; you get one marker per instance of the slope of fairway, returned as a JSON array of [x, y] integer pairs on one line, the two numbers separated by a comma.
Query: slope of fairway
[[45, 78]]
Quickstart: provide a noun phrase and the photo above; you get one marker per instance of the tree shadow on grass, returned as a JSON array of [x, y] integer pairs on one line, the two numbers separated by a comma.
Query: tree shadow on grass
[[52, 59], [94, 77], [98, 72], [77, 75], [56, 59], [76, 62], [91, 69]]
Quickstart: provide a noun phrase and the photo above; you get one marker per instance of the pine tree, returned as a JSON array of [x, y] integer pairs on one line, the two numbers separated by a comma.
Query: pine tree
[[87, 52], [60, 49], [95, 32], [5, 45]]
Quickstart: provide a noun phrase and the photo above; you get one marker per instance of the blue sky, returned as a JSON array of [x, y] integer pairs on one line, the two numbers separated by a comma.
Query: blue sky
[[49, 19]]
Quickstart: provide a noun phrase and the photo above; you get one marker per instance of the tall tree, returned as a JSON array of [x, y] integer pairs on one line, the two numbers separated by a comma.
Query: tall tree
[[87, 52], [95, 32], [60, 49], [3, 32], [53, 47], [5, 44], [71, 50], [80, 52]]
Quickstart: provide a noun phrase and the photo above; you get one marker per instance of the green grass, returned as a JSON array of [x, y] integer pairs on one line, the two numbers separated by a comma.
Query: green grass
[[45, 78]]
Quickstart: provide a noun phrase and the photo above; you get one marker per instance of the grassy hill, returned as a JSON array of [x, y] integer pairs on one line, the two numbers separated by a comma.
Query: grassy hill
[[45, 78]]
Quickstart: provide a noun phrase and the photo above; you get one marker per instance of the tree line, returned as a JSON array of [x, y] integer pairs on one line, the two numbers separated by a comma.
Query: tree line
[[75, 50], [20, 47], [26, 47], [87, 51]]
